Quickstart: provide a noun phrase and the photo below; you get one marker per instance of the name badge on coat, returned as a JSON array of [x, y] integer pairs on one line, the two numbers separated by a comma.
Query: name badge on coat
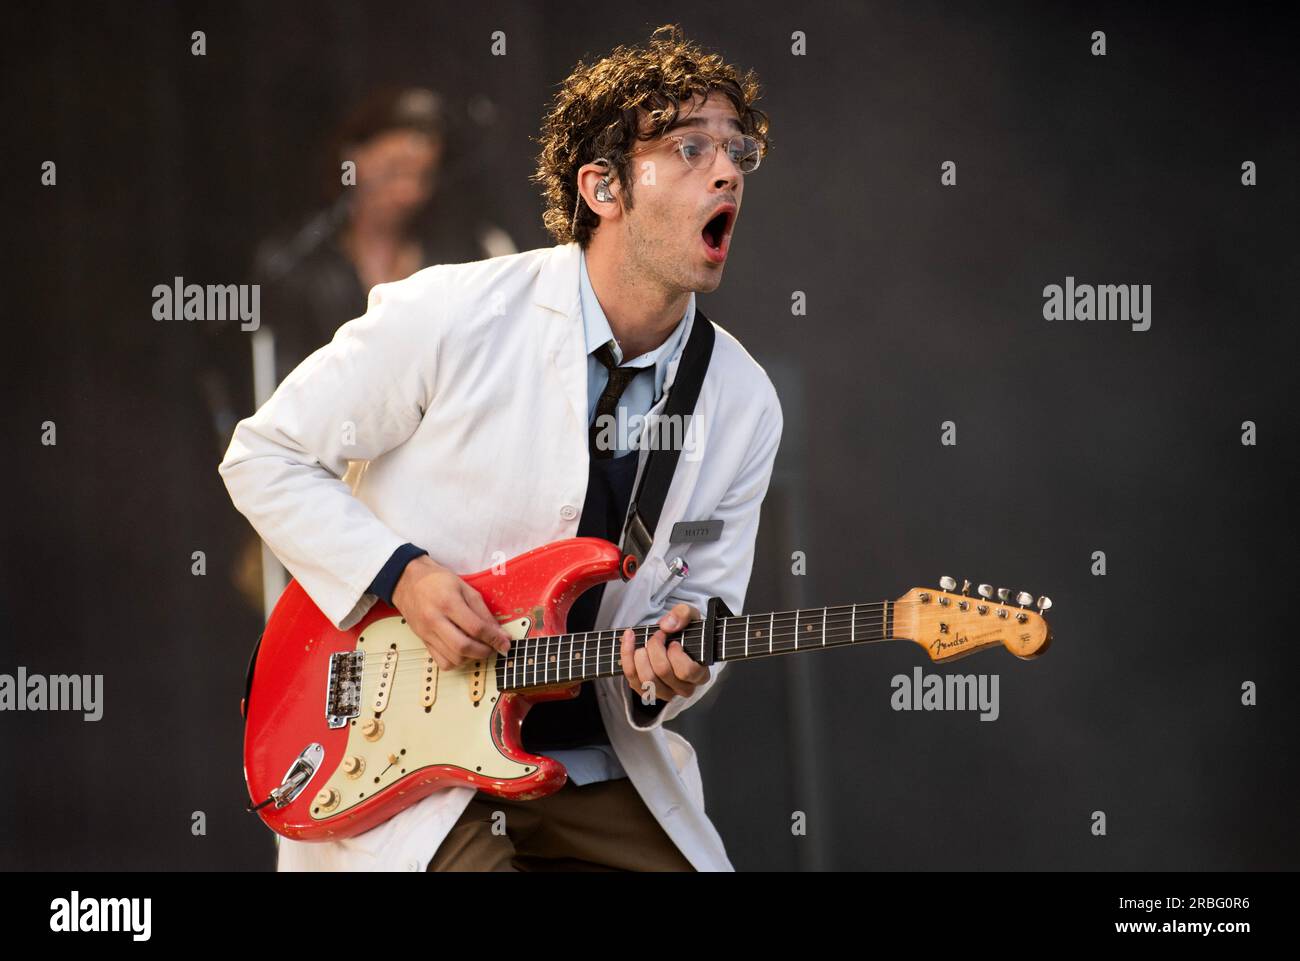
[[693, 531]]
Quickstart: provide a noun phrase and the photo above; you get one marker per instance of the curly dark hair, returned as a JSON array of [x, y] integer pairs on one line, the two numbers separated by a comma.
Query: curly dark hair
[[596, 113]]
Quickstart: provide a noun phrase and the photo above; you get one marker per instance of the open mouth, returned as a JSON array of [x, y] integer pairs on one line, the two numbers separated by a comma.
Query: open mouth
[[717, 232], [716, 229]]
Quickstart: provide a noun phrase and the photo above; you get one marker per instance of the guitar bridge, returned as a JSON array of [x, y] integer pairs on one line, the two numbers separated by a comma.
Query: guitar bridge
[[343, 688]]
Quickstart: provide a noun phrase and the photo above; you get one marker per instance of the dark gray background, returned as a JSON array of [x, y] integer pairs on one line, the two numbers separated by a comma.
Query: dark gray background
[[924, 306]]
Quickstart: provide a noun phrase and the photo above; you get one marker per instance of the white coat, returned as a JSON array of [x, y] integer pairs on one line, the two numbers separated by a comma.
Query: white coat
[[465, 386]]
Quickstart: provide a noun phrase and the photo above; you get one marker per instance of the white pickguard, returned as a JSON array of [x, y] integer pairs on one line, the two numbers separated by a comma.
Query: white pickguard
[[455, 730]]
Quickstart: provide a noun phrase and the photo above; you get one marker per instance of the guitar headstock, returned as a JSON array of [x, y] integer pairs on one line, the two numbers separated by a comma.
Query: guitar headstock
[[951, 624]]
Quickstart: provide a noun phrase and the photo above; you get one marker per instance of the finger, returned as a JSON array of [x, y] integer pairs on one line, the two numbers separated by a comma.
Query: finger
[[497, 637], [678, 617], [482, 635], [627, 650], [646, 675], [661, 666], [483, 626], [685, 667], [433, 644], [438, 657], [457, 643], [675, 621], [637, 670]]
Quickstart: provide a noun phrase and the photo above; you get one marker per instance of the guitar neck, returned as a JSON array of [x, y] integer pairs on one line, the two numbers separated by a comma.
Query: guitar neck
[[548, 660]]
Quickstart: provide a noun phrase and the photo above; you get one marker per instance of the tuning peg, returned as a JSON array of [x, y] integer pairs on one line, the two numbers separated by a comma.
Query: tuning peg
[[965, 585], [1044, 603], [1024, 597], [1003, 594], [947, 583], [985, 591]]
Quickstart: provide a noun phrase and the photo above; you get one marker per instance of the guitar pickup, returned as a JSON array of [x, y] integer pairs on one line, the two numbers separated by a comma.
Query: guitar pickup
[[430, 694], [387, 674]]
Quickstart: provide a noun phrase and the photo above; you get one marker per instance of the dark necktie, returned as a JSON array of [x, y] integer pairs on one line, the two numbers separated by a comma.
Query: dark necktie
[[619, 378]]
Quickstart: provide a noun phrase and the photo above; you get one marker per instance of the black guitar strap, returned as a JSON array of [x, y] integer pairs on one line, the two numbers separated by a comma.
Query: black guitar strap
[[661, 463]]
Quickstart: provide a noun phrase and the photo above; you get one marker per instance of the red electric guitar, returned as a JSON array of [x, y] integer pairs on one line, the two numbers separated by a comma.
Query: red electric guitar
[[346, 728]]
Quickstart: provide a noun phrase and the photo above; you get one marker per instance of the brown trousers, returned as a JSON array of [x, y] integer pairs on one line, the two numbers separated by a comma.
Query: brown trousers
[[602, 826]]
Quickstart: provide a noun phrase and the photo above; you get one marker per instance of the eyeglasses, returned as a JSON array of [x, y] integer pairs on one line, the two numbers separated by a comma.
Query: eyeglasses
[[698, 150]]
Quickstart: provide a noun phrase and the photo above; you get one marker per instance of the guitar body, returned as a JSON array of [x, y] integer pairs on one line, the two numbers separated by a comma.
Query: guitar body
[[352, 726]]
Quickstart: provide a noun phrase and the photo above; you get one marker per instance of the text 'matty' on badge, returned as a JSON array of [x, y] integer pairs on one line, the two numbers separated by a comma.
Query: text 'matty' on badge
[[684, 531]]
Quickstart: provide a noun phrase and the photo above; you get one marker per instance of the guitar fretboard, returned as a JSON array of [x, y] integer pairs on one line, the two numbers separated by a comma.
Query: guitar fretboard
[[569, 658]]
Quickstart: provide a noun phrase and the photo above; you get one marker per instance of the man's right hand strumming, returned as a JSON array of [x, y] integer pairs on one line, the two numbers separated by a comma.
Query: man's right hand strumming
[[447, 614]]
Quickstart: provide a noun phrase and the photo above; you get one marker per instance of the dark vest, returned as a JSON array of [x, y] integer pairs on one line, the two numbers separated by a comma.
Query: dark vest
[[555, 725]]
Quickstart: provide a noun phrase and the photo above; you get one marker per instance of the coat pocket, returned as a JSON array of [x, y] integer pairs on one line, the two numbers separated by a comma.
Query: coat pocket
[[687, 765], [665, 579], [680, 749]]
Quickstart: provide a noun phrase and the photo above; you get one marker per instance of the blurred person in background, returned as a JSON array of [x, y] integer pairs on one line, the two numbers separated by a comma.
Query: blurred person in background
[[382, 220], [392, 221]]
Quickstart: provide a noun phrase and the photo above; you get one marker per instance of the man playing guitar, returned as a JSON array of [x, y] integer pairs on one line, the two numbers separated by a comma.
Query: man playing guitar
[[489, 398]]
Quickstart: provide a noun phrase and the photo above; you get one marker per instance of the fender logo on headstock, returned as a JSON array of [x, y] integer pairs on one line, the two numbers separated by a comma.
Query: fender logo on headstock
[[940, 645]]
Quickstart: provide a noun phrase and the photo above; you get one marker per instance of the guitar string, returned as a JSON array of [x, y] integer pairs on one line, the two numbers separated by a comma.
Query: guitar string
[[593, 664], [543, 678], [551, 672], [537, 644], [768, 622], [542, 674]]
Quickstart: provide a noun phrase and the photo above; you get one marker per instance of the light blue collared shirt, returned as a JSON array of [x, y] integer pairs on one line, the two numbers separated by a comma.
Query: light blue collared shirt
[[644, 390], [599, 762]]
